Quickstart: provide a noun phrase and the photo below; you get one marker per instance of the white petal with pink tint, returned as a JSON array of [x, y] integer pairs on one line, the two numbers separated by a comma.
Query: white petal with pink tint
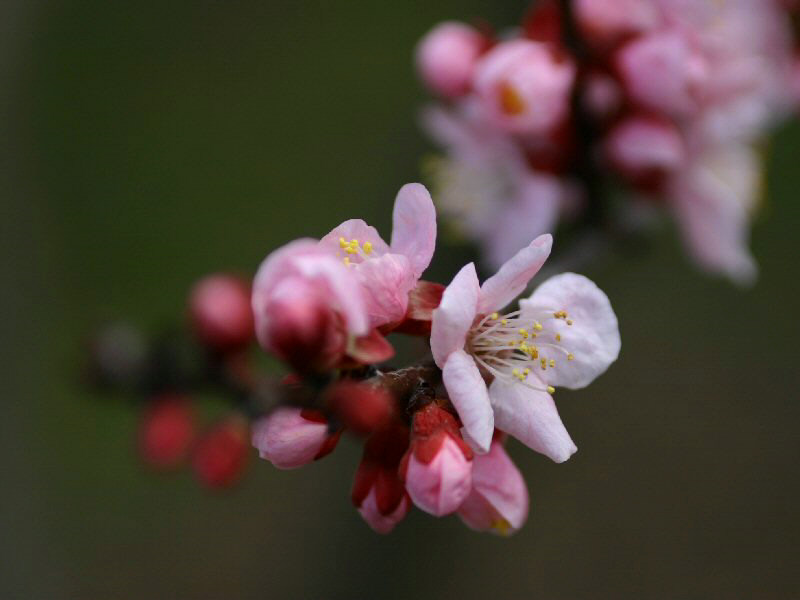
[[455, 314], [532, 418], [468, 393], [499, 500], [386, 281], [414, 226], [513, 277], [440, 486], [590, 334]]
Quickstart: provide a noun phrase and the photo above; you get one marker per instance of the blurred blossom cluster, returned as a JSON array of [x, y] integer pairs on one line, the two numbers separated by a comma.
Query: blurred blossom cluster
[[664, 102]]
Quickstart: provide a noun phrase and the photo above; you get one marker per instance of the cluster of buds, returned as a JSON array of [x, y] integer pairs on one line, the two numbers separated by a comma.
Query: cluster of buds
[[167, 374], [666, 100], [433, 431]]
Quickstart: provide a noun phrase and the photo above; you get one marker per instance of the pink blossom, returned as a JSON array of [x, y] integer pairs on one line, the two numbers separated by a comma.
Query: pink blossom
[[446, 57], [498, 501], [291, 437], [659, 70], [437, 469], [377, 520], [386, 273], [525, 86], [485, 186], [713, 199], [308, 306], [565, 334]]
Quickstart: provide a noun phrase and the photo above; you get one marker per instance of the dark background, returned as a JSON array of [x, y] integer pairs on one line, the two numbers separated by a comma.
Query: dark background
[[148, 143]]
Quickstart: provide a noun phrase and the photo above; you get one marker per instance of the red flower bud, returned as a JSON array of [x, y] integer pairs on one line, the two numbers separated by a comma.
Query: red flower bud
[[222, 453], [166, 430], [362, 408]]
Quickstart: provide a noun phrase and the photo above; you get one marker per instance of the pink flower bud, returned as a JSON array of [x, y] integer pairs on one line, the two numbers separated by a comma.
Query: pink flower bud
[[644, 147], [605, 21], [438, 467], [602, 95], [361, 408], [446, 57], [220, 312], [221, 454], [378, 492], [525, 86], [166, 431], [659, 70], [291, 437], [498, 501]]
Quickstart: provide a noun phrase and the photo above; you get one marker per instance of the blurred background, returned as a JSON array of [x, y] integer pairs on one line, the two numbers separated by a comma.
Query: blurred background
[[149, 143]]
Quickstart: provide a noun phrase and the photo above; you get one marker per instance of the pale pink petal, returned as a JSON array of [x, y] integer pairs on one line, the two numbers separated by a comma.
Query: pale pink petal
[[446, 57], [440, 486], [593, 338], [414, 226], [353, 229], [513, 277], [468, 393], [713, 200], [639, 145], [288, 440], [386, 282], [379, 522], [455, 314], [499, 500], [532, 418]]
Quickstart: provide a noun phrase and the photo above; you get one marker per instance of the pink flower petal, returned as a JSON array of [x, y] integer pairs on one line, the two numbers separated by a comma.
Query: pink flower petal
[[513, 277], [440, 486], [386, 282], [414, 226], [455, 314], [468, 393], [379, 522], [288, 440], [499, 498], [532, 418], [593, 338]]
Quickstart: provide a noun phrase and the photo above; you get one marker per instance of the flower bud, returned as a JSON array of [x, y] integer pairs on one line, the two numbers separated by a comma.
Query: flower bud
[[362, 408], [446, 57], [220, 312], [438, 466], [291, 437], [525, 86], [378, 492], [498, 501], [606, 21], [221, 454], [166, 431]]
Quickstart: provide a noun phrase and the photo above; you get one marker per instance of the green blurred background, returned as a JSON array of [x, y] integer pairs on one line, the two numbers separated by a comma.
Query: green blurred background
[[148, 143]]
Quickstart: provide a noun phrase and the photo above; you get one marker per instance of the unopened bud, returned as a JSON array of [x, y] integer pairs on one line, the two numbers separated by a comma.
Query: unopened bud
[[166, 431], [220, 311], [221, 454], [362, 408]]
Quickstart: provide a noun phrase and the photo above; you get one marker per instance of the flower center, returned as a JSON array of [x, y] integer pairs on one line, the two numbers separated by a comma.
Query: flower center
[[511, 102], [355, 251], [510, 346]]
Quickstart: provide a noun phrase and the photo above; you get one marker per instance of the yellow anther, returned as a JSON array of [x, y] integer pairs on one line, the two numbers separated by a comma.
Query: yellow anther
[[342, 242], [569, 321], [527, 371], [351, 250], [537, 326], [494, 316], [504, 322], [524, 333], [551, 389], [560, 314], [346, 261], [543, 362], [570, 357], [558, 337], [354, 241], [367, 247], [552, 362]]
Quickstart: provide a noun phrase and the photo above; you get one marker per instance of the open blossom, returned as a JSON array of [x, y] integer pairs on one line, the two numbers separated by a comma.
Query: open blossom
[[525, 86], [437, 468], [498, 501], [485, 186], [386, 273], [565, 334]]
